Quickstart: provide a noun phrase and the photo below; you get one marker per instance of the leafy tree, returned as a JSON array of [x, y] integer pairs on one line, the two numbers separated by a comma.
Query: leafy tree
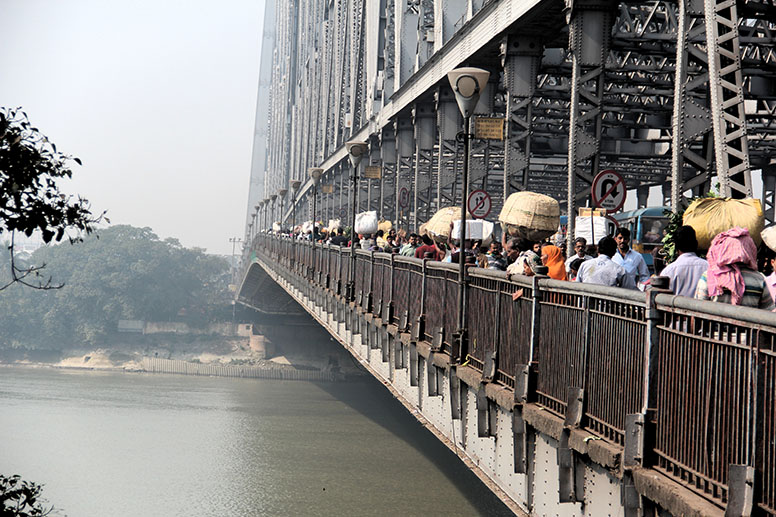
[[19, 498], [128, 273], [30, 198]]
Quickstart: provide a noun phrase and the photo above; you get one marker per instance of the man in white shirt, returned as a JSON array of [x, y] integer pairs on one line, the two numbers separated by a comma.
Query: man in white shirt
[[686, 270], [602, 269], [631, 260], [580, 244]]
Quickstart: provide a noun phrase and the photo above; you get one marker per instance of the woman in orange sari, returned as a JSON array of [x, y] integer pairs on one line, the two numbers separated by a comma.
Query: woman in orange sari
[[552, 257]]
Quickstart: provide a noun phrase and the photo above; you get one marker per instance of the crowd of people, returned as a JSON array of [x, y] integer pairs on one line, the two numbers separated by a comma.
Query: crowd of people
[[728, 274]]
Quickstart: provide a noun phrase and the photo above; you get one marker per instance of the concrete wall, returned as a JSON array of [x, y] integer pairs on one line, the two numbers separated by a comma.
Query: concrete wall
[[429, 387], [218, 329]]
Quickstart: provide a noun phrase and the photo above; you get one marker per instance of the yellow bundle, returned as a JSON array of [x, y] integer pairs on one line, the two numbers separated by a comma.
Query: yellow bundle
[[711, 216]]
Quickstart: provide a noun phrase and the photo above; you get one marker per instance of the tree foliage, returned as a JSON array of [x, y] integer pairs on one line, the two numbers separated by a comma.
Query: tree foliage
[[30, 196], [19, 498], [128, 273]]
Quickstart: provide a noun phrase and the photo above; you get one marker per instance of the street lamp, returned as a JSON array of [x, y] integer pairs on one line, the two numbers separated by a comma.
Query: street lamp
[[272, 222], [282, 195], [356, 151], [295, 184], [315, 174], [266, 209], [467, 84]]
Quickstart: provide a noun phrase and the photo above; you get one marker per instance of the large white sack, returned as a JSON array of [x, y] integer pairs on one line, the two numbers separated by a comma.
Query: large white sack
[[595, 231], [478, 229], [366, 222], [276, 227]]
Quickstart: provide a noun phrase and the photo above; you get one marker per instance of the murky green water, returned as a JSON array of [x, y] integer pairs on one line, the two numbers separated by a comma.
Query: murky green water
[[114, 444]]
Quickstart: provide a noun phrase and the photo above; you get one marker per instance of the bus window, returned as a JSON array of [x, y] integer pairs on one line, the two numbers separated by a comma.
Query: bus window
[[653, 230]]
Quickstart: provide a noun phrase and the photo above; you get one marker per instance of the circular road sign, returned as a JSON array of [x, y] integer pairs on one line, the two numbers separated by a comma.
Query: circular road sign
[[404, 197], [479, 204], [609, 190]]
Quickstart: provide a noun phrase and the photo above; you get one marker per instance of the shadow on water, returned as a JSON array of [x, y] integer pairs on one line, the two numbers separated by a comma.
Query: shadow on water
[[372, 400], [368, 397]]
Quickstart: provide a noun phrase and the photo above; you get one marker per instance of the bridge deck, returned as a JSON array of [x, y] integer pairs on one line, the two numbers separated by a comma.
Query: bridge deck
[[700, 375]]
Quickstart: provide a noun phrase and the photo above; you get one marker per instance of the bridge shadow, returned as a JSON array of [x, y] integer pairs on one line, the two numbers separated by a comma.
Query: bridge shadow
[[372, 400]]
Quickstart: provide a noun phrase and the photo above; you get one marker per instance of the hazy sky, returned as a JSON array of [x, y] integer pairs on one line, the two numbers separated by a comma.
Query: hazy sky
[[157, 97]]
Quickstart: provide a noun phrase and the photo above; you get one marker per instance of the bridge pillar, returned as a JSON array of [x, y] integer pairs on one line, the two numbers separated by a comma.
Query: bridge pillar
[[405, 150], [425, 135], [448, 17], [426, 38], [449, 124], [520, 57], [590, 25], [388, 182], [642, 195], [406, 41], [692, 145], [769, 193]]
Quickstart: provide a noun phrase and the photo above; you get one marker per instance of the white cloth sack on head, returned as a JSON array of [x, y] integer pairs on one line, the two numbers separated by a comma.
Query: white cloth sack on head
[[366, 222], [477, 229]]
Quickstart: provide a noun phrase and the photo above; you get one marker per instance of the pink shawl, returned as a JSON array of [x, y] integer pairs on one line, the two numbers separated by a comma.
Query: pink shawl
[[729, 251]]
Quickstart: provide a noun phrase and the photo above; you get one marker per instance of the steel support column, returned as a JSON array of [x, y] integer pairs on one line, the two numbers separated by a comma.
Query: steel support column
[[589, 39], [405, 151], [449, 123], [387, 206], [520, 57], [425, 135]]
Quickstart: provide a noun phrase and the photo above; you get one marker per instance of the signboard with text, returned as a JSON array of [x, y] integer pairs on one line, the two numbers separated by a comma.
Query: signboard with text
[[489, 128], [373, 172]]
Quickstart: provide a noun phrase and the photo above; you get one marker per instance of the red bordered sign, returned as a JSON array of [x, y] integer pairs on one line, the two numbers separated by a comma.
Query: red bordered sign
[[609, 190], [479, 204]]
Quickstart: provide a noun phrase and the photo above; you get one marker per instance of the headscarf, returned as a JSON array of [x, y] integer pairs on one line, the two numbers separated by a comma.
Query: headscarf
[[729, 251], [555, 263]]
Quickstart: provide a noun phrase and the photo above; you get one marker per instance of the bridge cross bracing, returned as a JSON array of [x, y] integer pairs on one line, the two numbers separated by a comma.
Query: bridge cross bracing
[[678, 94]]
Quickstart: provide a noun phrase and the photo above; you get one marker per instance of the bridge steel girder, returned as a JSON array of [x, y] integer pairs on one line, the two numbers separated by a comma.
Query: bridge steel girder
[[425, 136], [692, 126], [388, 181], [405, 168], [589, 40], [731, 147], [406, 20], [449, 124], [521, 58]]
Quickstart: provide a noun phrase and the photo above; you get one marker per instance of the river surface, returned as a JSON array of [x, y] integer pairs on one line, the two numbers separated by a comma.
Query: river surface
[[121, 444]]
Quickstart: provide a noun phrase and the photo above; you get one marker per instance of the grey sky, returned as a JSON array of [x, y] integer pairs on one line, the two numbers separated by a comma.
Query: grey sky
[[157, 97]]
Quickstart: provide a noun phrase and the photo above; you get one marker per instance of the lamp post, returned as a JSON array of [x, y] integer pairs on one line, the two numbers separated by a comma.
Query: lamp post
[[273, 197], [295, 184], [467, 84], [266, 209], [315, 174], [282, 195], [234, 241], [356, 151]]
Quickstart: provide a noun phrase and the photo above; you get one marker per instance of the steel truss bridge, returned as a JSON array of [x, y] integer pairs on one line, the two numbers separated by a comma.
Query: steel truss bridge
[[573, 399], [677, 94]]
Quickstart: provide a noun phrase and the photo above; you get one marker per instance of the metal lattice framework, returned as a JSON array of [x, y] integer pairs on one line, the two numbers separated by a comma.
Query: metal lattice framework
[[678, 94]]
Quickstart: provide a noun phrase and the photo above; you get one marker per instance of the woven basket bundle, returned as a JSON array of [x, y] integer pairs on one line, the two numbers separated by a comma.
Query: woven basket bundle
[[530, 215]]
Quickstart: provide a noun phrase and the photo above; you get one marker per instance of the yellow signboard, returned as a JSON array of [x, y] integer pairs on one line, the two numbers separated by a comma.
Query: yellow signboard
[[372, 172], [328, 189], [489, 128]]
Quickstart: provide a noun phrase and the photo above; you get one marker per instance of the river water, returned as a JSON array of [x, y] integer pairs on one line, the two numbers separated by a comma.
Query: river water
[[121, 444]]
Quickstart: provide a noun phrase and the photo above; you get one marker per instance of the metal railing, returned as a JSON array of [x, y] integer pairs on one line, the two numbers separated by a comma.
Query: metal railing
[[702, 374]]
